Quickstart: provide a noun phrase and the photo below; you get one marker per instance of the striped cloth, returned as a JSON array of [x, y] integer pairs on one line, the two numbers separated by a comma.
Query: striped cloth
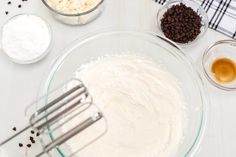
[[221, 14]]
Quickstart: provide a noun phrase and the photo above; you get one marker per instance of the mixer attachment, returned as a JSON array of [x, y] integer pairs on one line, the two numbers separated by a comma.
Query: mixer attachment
[[71, 117]]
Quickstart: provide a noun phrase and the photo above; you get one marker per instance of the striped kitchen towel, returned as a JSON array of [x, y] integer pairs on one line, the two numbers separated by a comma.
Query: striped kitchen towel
[[221, 14]]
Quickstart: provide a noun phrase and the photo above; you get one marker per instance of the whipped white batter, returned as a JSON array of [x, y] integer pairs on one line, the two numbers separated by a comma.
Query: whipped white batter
[[143, 104]]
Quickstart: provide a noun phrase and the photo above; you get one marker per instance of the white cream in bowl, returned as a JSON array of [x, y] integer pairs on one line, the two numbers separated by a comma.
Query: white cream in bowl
[[142, 102]]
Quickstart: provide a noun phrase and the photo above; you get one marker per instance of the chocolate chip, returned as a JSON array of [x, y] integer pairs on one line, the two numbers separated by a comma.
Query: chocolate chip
[[181, 23], [20, 145], [19, 6], [32, 131], [9, 2], [6, 12], [37, 134], [28, 145], [14, 128]]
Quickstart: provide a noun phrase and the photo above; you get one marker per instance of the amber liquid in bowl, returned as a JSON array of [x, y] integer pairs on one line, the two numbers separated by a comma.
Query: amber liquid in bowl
[[224, 70]]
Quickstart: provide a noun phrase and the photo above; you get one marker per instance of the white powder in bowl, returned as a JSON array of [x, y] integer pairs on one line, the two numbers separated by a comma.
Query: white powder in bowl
[[26, 38], [143, 104]]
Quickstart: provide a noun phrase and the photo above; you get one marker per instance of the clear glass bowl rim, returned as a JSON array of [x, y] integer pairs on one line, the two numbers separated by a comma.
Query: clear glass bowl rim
[[203, 121], [214, 83], [79, 14]]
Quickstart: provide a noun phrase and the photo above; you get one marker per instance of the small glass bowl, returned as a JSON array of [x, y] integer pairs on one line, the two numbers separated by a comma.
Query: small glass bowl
[[39, 56], [220, 49], [77, 19], [189, 3]]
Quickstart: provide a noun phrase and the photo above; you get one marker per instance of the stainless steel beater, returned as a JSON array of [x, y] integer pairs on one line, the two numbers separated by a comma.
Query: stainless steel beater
[[49, 115]]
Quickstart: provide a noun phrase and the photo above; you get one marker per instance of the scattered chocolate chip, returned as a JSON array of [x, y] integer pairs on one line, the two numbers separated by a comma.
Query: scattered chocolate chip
[[37, 134], [31, 138], [14, 128], [33, 141], [6, 12], [19, 6], [28, 145], [32, 131], [20, 145], [9, 2]]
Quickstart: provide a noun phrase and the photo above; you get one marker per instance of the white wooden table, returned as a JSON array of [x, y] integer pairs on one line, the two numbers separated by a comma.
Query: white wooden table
[[19, 84]]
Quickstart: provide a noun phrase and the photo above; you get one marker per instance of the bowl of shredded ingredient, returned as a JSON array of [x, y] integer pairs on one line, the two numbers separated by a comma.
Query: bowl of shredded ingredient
[[149, 92], [75, 12]]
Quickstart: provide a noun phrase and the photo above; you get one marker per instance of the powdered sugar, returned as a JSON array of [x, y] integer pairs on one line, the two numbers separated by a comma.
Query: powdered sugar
[[25, 38]]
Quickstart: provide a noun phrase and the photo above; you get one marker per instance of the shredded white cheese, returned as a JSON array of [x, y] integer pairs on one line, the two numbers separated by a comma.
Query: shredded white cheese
[[72, 6]]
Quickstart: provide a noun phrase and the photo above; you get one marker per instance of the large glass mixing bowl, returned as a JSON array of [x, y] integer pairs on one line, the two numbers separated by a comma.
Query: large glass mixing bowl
[[161, 50]]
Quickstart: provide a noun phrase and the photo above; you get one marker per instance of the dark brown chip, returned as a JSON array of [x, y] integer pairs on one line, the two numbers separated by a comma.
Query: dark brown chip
[[28, 145], [20, 145], [32, 131], [14, 128], [181, 23], [37, 134]]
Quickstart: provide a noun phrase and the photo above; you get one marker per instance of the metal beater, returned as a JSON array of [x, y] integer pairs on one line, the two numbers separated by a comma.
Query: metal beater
[[49, 114]]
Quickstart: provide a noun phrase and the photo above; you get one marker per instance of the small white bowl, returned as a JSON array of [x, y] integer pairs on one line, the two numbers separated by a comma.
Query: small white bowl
[[34, 58]]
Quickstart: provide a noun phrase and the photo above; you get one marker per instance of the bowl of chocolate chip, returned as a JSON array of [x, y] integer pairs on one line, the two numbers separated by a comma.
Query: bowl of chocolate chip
[[182, 21]]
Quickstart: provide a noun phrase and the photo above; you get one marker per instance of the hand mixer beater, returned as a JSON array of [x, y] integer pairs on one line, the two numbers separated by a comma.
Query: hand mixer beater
[[65, 114]]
